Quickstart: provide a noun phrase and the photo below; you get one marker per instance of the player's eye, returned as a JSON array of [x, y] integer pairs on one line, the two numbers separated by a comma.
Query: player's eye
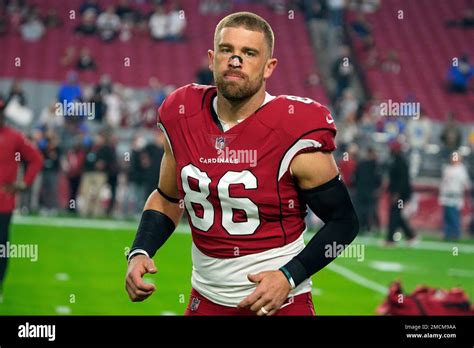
[[225, 50], [250, 53]]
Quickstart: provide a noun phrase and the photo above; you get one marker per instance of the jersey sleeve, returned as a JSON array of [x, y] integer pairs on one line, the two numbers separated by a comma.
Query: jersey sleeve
[[308, 127]]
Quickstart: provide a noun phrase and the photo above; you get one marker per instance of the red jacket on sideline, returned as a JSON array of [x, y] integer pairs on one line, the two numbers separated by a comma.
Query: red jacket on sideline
[[15, 148]]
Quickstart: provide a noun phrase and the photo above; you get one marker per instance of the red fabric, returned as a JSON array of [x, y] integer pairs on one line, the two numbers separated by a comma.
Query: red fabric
[[15, 149], [426, 301], [274, 134], [301, 305]]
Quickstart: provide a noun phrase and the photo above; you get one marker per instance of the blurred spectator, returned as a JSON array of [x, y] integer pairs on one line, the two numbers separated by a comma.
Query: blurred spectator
[[418, 133], [348, 104], [16, 110], [135, 189], [90, 6], [347, 166], [204, 75], [362, 29], [130, 109], [148, 113], [49, 119], [88, 24], [451, 135], [70, 90], [336, 12], [400, 191], [157, 90], [74, 167], [94, 178], [16, 92], [314, 9], [125, 11], [214, 7], [459, 75], [159, 24], [176, 22], [126, 30], [392, 63], [52, 19], [454, 182], [348, 131], [104, 86], [114, 105], [69, 57], [277, 6], [108, 24], [367, 181], [466, 22], [33, 29], [151, 161], [342, 71], [49, 193], [85, 61], [112, 170]]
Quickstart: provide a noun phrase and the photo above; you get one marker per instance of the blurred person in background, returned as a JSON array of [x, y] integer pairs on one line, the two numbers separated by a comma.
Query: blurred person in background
[[400, 191], [108, 24], [135, 188], [16, 149], [85, 60], [454, 182], [71, 89], [151, 161], [94, 178], [176, 22], [459, 75], [451, 135], [33, 28], [51, 166], [74, 167], [367, 182]]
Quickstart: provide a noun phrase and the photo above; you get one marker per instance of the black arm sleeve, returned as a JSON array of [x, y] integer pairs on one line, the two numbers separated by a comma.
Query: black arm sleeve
[[332, 204], [154, 230]]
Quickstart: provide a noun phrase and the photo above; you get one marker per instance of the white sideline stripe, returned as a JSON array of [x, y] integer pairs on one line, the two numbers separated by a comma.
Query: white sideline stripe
[[461, 272], [63, 310], [358, 279], [424, 245], [84, 223]]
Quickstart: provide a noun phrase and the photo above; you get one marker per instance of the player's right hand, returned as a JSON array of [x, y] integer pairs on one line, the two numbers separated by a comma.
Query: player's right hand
[[136, 288]]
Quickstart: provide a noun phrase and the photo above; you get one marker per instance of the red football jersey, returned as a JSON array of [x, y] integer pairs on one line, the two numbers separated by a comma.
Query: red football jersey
[[237, 188]]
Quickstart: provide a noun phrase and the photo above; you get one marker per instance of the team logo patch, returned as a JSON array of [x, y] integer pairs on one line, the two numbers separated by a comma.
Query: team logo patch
[[220, 143], [194, 304]]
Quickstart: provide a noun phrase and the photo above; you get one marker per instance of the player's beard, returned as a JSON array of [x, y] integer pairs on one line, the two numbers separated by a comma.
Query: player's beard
[[238, 90]]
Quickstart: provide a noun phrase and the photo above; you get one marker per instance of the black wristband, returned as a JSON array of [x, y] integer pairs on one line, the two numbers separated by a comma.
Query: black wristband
[[154, 229]]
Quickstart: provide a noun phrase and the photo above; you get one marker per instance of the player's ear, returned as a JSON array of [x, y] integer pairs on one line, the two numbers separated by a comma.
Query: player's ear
[[270, 67], [210, 55]]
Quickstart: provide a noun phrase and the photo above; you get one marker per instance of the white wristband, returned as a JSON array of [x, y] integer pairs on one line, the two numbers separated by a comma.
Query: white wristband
[[137, 251]]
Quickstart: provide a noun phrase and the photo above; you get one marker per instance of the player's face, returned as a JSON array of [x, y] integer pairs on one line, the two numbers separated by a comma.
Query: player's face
[[240, 80]]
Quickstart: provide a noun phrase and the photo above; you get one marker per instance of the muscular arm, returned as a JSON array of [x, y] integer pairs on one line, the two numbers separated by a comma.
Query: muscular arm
[[160, 217], [168, 186], [317, 176]]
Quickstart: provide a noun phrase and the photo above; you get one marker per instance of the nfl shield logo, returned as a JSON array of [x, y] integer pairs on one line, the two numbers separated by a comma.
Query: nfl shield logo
[[194, 304], [220, 143]]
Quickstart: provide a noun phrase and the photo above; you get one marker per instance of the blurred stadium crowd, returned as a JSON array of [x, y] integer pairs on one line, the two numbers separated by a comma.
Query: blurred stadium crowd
[[107, 162]]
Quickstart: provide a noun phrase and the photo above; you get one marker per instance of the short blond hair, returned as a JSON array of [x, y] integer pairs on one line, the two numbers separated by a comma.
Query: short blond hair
[[249, 21]]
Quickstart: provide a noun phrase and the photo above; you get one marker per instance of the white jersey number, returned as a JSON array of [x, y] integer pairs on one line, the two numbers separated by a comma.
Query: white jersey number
[[228, 204]]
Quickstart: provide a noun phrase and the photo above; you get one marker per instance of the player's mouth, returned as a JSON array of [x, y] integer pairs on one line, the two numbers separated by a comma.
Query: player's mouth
[[233, 77]]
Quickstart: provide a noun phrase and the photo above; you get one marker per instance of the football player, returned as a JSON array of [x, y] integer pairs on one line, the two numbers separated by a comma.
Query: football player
[[245, 165]]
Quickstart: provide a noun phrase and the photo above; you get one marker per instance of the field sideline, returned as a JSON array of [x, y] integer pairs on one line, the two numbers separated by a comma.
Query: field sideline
[[81, 266]]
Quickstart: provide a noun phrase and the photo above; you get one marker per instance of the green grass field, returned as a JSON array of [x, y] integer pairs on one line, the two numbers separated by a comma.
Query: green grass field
[[81, 267]]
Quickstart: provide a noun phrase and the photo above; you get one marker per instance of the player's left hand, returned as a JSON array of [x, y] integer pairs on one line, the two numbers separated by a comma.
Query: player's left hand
[[271, 292]]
